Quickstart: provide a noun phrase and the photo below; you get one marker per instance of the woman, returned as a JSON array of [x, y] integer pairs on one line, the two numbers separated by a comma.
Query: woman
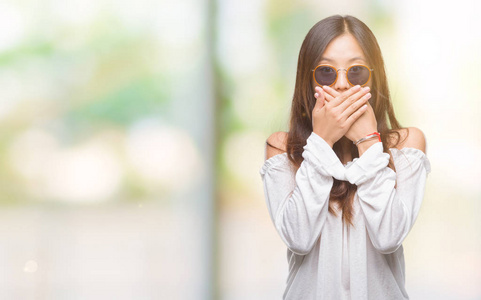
[[344, 186]]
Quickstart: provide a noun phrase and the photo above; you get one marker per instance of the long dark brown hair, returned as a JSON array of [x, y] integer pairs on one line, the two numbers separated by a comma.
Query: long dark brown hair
[[300, 125]]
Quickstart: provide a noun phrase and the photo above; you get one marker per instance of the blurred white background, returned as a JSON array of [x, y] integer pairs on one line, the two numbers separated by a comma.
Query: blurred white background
[[133, 133]]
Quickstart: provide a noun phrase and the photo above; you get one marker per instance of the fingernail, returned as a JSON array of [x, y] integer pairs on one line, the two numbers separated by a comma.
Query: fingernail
[[366, 88], [357, 87], [316, 95]]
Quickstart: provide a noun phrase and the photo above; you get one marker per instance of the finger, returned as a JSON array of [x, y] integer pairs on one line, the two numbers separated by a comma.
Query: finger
[[320, 99], [353, 117], [318, 90], [331, 91], [355, 106], [328, 97], [330, 94], [351, 106], [342, 96], [353, 98]]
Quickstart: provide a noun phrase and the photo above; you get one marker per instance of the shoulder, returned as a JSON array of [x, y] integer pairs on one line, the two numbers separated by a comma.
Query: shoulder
[[276, 144], [412, 137]]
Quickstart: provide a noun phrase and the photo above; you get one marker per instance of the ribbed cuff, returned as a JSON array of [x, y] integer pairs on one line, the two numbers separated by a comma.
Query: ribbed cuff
[[366, 166], [318, 152]]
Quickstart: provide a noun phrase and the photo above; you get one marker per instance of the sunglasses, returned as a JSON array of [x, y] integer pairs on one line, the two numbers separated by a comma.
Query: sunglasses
[[327, 75]]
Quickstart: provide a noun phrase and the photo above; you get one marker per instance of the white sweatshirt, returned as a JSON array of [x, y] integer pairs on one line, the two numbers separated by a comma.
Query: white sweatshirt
[[326, 259]]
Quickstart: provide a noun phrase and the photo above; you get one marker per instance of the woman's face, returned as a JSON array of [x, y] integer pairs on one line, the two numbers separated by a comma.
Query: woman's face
[[341, 53]]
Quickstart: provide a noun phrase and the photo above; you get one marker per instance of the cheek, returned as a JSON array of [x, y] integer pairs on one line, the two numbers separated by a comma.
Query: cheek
[[313, 81], [369, 83], [313, 86]]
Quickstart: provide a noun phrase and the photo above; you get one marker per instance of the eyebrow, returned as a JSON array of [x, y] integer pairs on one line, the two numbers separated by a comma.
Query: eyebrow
[[352, 59]]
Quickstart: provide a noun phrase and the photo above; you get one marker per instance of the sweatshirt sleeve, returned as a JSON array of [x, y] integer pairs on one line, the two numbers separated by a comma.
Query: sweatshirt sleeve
[[389, 212], [298, 201]]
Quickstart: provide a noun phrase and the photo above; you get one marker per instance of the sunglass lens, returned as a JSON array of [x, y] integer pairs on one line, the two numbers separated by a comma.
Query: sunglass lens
[[358, 75], [325, 75]]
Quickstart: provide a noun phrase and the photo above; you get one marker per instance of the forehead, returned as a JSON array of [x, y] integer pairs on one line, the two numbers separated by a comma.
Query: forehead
[[343, 49]]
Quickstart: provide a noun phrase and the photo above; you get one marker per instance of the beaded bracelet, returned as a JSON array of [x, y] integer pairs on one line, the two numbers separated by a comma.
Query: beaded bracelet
[[369, 136]]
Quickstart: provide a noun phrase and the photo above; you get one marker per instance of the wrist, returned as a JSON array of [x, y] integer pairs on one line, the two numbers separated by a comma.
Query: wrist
[[367, 141], [375, 134], [331, 144], [362, 147], [357, 138]]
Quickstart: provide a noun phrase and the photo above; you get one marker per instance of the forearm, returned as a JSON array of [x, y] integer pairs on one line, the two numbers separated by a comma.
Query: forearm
[[389, 212], [299, 204], [301, 217]]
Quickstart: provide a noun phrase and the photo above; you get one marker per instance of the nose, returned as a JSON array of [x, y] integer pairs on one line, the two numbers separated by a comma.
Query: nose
[[341, 83]]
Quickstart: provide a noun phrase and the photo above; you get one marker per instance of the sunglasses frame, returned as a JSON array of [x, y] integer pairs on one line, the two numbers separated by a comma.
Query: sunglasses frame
[[337, 73]]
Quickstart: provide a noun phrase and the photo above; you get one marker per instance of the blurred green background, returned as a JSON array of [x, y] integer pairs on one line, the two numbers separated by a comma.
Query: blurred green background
[[132, 134]]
